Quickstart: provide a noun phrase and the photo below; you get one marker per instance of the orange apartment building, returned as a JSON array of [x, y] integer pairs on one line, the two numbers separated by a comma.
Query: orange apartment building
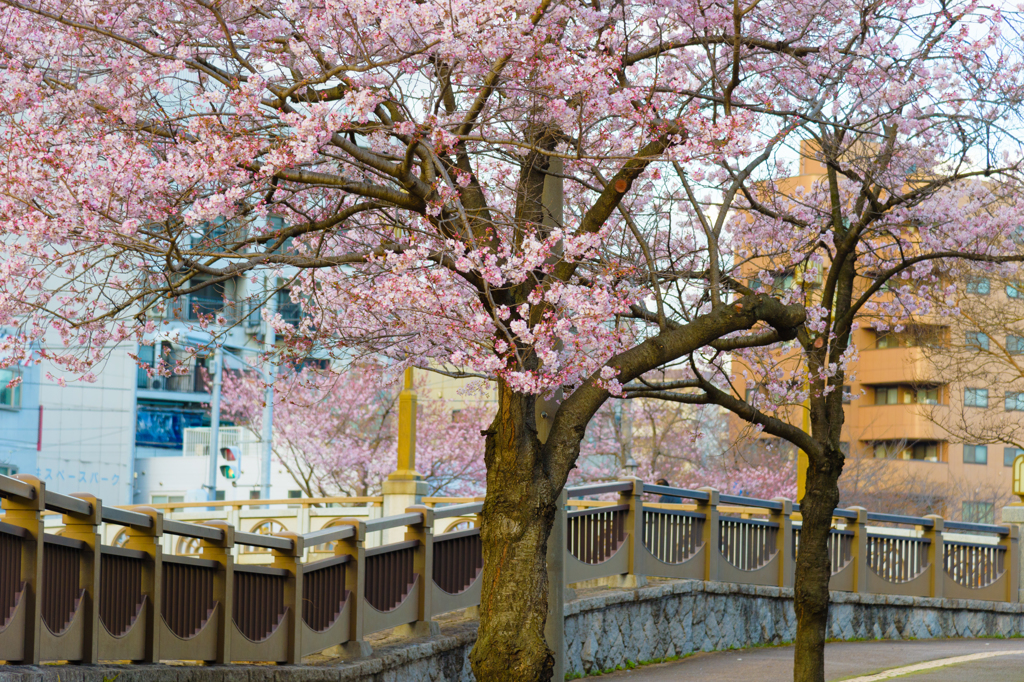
[[900, 404]]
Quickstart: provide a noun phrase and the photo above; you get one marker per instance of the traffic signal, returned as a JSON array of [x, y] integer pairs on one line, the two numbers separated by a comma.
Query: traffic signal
[[228, 470]]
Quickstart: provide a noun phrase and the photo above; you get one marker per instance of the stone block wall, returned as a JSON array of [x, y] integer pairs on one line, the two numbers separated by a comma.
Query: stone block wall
[[664, 619], [675, 618]]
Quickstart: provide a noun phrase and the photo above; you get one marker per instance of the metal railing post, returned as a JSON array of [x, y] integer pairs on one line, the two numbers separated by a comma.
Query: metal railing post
[[291, 561], [150, 542], [1011, 542], [223, 584], [936, 554], [711, 533], [423, 566], [634, 525], [86, 529], [787, 561], [355, 581], [554, 627], [27, 514], [859, 526]]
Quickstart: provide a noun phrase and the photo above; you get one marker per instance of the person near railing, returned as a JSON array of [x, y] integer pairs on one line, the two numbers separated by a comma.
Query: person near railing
[[667, 499]]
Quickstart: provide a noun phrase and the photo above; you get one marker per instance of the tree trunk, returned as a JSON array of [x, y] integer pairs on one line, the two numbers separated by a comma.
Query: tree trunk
[[518, 514], [814, 568]]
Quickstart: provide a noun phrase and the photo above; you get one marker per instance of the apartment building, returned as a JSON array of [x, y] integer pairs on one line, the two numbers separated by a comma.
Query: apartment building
[[123, 437], [921, 401]]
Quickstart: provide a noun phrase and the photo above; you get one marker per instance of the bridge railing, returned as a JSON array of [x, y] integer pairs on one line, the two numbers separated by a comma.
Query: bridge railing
[[72, 598]]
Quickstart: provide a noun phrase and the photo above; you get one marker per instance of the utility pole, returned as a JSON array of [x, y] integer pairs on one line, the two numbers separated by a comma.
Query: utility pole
[[270, 340], [218, 366], [629, 465]]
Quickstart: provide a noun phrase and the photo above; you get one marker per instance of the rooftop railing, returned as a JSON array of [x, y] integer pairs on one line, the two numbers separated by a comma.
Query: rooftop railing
[[69, 597]]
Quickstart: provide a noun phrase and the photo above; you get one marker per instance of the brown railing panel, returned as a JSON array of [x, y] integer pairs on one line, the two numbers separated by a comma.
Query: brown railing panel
[[747, 544], [61, 565], [10, 574], [187, 596], [973, 565], [390, 574], [323, 592], [897, 559], [258, 600], [840, 548], [458, 560], [594, 535], [672, 536], [120, 592]]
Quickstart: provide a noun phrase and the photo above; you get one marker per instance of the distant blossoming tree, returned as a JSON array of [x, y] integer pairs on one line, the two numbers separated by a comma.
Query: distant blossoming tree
[[336, 434]]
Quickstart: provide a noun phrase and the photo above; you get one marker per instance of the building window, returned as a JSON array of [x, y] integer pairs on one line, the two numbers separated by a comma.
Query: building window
[[928, 396], [218, 495], [1014, 401], [975, 454], [206, 301], [977, 340], [925, 450], [976, 397], [846, 395], [10, 396], [1015, 345], [167, 499], [254, 494], [887, 340], [294, 494], [844, 447], [886, 395], [979, 285], [1010, 454], [979, 512], [8, 469], [289, 310], [1015, 290]]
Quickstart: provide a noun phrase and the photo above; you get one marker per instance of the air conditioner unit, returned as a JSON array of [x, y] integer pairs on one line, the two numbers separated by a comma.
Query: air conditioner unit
[[156, 384]]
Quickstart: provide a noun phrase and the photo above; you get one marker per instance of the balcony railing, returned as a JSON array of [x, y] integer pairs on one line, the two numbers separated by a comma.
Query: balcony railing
[[192, 308], [895, 366], [911, 422], [195, 381]]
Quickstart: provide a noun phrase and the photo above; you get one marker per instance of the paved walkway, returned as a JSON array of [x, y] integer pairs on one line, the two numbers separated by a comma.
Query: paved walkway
[[976, 660]]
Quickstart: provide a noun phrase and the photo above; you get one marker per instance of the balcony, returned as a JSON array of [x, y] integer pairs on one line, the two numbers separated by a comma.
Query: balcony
[[193, 386], [901, 422], [895, 366], [192, 308]]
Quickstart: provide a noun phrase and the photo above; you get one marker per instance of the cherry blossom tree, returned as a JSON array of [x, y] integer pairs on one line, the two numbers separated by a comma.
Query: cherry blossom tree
[[336, 434], [535, 193]]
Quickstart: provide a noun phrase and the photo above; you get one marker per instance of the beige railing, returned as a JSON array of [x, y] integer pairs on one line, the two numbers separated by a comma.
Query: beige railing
[[73, 598]]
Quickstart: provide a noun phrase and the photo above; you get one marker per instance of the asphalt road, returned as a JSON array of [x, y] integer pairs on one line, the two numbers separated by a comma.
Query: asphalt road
[[994, 660]]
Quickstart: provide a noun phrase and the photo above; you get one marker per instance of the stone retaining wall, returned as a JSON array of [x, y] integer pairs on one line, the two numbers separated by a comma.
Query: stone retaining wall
[[661, 620]]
